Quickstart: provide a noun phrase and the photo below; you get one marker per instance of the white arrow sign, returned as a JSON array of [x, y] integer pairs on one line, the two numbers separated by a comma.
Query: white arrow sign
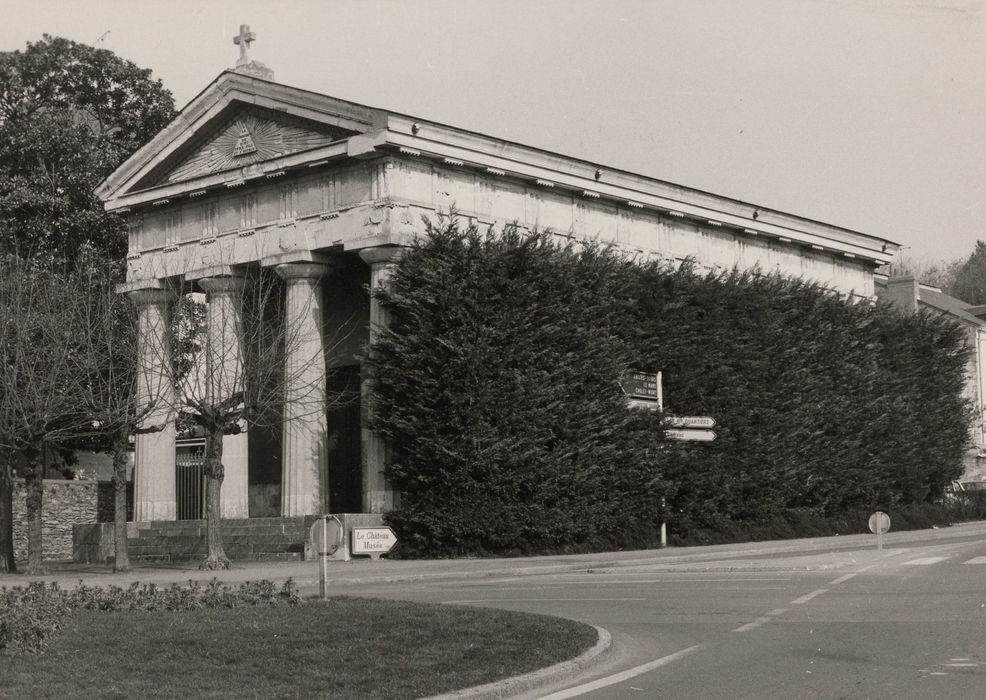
[[689, 421], [373, 540], [687, 434]]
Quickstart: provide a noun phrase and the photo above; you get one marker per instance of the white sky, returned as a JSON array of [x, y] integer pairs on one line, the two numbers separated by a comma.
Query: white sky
[[868, 114]]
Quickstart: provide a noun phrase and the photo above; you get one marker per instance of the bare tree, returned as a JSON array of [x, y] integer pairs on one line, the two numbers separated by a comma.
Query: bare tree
[[935, 272], [248, 372], [117, 392], [38, 375]]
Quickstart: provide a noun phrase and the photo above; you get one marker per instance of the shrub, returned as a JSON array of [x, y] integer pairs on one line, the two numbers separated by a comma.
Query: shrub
[[497, 383], [29, 616], [498, 380]]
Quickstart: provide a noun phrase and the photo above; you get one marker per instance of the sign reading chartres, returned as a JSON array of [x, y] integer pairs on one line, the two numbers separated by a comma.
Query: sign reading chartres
[[689, 434], [373, 540]]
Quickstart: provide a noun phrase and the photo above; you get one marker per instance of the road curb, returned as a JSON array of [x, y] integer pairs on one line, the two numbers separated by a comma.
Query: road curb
[[535, 679]]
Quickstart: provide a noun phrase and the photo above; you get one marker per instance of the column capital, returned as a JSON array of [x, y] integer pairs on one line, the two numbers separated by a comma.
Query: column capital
[[221, 284], [150, 296], [294, 271], [382, 254]]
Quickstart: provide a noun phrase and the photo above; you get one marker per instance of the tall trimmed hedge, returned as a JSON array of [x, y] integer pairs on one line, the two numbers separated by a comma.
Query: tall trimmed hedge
[[497, 383], [822, 405]]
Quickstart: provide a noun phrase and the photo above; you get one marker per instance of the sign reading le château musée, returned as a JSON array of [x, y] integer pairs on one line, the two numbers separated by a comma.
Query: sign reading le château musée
[[373, 540]]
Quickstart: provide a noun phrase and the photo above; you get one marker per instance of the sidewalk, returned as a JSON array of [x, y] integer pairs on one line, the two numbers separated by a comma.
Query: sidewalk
[[803, 554]]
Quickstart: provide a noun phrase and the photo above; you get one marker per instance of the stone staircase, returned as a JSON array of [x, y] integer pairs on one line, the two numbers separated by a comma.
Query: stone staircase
[[184, 540], [252, 539]]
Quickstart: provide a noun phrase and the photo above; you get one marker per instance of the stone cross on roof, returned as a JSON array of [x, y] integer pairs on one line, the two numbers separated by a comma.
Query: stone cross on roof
[[243, 40], [244, 64]]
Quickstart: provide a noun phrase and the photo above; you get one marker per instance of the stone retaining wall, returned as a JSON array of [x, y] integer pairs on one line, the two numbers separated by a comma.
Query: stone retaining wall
[[66, 503]]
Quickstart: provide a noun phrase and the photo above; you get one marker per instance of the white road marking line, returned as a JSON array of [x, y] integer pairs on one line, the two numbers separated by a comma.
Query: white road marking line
[[937, 673], [623, 676], [542, 600], [962, 665], [556, 586], [752, 625], [960, 658], [924, 561], [976, 560], [683, 576], [629, 582], [805, 598], [778, 611], [842, 579]]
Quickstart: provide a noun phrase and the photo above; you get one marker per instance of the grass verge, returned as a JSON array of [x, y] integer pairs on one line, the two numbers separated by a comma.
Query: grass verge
[[344, 648]]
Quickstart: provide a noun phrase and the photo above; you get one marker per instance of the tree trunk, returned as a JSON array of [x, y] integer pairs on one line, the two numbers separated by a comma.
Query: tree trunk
[[7, 564], [214, 473], [34, 485], [121, 562]]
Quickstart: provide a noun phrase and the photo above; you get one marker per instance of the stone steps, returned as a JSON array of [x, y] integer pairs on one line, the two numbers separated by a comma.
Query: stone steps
[[184, 540], [257, 538]]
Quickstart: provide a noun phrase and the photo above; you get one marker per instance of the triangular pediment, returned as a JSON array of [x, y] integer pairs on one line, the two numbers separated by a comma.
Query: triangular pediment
[[237, 122], [251, 136]]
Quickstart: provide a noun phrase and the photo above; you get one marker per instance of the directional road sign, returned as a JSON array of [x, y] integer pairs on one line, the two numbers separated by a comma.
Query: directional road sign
[[690, 434], [705, 422], [373, 540]]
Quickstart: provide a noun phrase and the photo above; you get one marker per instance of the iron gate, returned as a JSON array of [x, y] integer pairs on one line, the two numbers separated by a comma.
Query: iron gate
[[190, 481]]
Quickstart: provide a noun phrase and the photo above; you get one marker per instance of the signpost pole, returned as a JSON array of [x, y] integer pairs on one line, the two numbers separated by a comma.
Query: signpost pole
[[664, 525], [324, 554], [879, 524]]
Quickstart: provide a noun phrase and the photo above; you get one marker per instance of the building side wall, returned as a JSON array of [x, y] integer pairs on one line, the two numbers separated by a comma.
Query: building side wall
[[975, 465], [496, 200]]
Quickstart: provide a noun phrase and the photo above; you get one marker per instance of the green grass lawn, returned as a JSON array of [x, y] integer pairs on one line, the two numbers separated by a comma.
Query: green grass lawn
[[343, 648]]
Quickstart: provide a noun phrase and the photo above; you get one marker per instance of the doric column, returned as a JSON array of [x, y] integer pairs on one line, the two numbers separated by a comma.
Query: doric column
[[224, 378], [378, 495], [154, 468], [304, 480]]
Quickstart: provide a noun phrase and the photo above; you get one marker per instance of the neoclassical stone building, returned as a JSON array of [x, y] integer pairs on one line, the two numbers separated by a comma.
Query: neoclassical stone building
[[326, 192]]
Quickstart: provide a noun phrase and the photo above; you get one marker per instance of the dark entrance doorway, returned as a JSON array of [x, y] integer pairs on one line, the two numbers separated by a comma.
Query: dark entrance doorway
[[344, 440]]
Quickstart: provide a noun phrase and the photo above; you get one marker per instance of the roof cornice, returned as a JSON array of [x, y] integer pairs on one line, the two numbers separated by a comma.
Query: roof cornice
[[386, 132]]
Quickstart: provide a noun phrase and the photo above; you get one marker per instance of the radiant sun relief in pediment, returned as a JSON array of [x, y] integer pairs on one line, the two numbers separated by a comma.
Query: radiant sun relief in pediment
[[250, 138]]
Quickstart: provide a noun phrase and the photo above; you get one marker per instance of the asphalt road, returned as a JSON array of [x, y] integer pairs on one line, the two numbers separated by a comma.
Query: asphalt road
[[905, 622]]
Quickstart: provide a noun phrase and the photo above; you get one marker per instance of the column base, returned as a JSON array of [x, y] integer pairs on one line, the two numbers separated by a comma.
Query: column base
[[382, 501]]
